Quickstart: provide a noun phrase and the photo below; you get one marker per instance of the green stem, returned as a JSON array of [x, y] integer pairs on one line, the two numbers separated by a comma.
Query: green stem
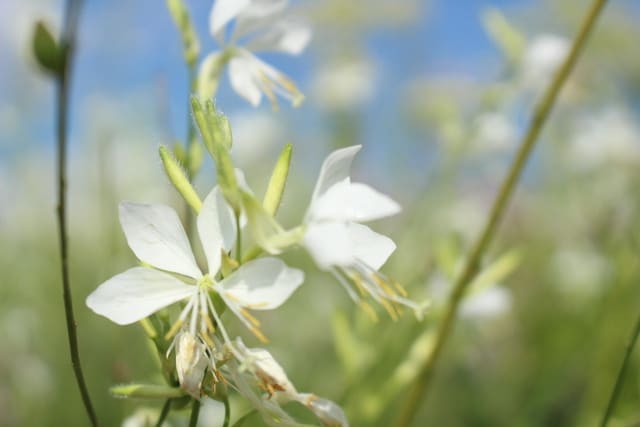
[[195, 413], [238, 239], [471, 267], [227, 412], [620, 379], [63, 79], [163, 414], [190, 139]]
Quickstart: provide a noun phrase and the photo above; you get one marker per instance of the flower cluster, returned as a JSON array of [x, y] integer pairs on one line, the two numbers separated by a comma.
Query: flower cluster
[[181, 301]]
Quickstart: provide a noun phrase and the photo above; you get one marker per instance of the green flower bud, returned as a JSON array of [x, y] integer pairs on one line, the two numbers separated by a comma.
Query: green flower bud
[[277, 182], [48, 53], [178, 178], [190, 43], [146, 391]]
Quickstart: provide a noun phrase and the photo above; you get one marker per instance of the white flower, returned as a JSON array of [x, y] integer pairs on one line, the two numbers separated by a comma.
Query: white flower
[[272, 379], [352, 252], [543, 56], [156, 236], [262, 24]]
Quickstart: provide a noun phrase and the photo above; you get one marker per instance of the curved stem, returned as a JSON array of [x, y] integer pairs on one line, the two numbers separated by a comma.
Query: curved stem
[[195, 413], [620, 378], [63, 79], [188, 143], [227, 412], [163, 414], [471, 267]]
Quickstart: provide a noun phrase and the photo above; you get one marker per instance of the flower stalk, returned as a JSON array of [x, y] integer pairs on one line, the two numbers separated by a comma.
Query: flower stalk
[[472, 265], [63, 79]]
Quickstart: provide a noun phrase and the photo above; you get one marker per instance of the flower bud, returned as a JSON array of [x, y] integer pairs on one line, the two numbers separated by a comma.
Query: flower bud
[[191, 363]]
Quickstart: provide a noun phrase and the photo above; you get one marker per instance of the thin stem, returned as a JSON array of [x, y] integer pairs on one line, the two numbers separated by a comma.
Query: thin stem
[[238, 239], [620, 379], [195, 413], [163, 414], [471, 267], [190, 139], [63, 79], [227, 412]]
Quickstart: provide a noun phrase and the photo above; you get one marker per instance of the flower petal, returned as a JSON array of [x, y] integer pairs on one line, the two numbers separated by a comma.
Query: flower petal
[[156, 236], [328, 412], [257, 16], [336, 168], [352, 202], [329, 244], [135, 294], [216, 227], [224, 11], [286, 36], [263, 284], [370, 247], [242, 79]]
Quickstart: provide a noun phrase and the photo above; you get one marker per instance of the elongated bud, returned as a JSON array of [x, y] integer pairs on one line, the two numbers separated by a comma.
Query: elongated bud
[[196, 156], [146, 391], [178, 178], [227, 177], [214, 127], [277, 182], [190, 43], [48, 53]]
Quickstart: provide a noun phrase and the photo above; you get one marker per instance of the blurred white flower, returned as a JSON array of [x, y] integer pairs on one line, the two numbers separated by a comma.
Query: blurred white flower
[[541, 59], [272, 378], [609, 135], [255, 133], [263, 26], [352, 252], [493, 132], [491, 302], [156, 236], [580, 270], [345, 85]]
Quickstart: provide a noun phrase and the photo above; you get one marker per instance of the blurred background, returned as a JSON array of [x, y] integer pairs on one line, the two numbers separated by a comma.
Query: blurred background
[[438, 92]]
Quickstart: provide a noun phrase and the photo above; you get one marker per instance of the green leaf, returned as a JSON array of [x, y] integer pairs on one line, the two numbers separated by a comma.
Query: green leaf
[[48, 53], [510, 41], [497, 271]]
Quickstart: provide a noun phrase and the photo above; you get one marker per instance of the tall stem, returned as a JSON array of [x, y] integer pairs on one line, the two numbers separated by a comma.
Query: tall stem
[[620, 379], [190, 140], [195, 413], [164, 412], [63, 79], [471, 267]]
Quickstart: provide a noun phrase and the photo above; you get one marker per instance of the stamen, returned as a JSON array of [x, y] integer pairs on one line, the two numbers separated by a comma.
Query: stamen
[[178, 323], [259, 335], [369, 310], [245, 313]]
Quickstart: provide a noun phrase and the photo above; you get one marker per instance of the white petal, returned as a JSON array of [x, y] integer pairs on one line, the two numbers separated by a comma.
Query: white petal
[[329, 244], [243, 81], [352, 202], [262, 284], [156, 236], [286, 36], [328, 412], [135, 294], [336, 168], [216, 227], [258, 15], [224, 11], [370, 247]]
